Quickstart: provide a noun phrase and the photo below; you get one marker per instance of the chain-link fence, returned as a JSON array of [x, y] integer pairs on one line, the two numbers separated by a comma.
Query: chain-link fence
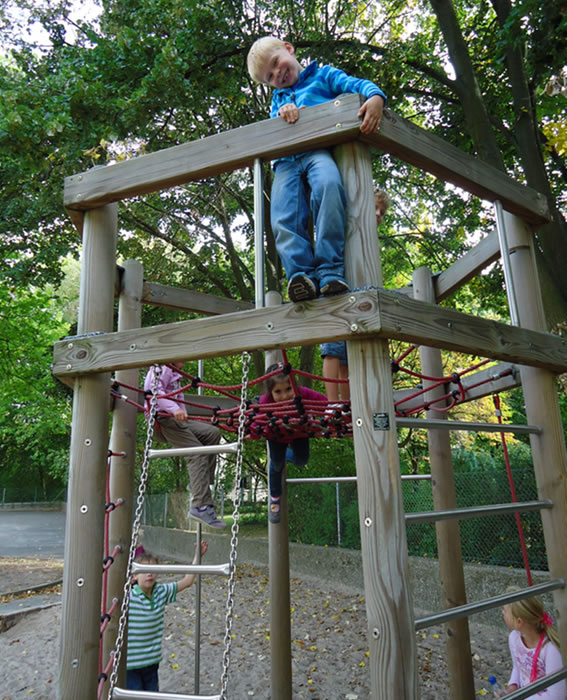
[[327, 514]]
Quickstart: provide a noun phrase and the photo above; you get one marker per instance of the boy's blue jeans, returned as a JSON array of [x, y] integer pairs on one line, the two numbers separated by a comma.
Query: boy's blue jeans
[[145, 678], [296, 452], [291, 200]]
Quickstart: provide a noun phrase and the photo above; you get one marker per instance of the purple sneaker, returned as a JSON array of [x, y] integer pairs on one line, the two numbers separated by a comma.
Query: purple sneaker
[[207, 515]]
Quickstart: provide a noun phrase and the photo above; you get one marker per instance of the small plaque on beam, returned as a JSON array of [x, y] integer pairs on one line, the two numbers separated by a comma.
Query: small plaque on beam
[[381, 421]]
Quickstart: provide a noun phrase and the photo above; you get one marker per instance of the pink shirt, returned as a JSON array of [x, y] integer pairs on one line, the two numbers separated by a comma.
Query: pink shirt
[[549, 661], [169, 381]]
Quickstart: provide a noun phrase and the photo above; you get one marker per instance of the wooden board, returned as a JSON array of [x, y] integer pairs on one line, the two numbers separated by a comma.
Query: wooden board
[[369, 313], [188, 300], [428, 152], [320, 126]]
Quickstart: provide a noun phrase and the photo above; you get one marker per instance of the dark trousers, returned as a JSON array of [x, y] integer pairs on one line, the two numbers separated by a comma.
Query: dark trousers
[[145, 678], [296, 452]]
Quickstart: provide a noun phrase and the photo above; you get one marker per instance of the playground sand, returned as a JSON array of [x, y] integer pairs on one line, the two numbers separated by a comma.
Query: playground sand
[[330, 660]]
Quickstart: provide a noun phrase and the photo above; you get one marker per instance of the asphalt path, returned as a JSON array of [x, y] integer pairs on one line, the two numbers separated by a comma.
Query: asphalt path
[[33, 533]]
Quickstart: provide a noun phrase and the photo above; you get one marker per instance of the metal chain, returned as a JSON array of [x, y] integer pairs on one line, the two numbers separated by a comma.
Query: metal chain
[[135, 531], [234, 530]]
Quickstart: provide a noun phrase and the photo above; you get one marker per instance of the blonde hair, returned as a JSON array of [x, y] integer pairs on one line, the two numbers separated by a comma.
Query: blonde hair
[[532, 612], [260, 52], [382, 198]]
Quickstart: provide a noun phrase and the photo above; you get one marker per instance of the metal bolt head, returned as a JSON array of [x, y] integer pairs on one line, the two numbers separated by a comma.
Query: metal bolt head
[[68, 366], [337, 103], [352, 299], [354, 327], [368, 521], [133, 346], [376, 633], [359, 422], [88, 442], [269, 326], [80, 582], [75, 663], [338, 126], [70, 346]]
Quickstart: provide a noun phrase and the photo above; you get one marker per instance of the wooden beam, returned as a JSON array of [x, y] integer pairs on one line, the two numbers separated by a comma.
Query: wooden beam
[[324, 125], [467, 267], [428, 152], [188, 300], [319, 127], [391, 636], [421, 323], [489, 381], [376, 313]]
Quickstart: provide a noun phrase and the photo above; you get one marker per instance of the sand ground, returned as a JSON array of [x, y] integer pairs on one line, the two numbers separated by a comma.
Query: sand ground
[[330, 660]]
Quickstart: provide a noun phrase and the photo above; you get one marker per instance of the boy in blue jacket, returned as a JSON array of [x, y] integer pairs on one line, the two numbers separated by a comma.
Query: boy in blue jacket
[[310, 178]]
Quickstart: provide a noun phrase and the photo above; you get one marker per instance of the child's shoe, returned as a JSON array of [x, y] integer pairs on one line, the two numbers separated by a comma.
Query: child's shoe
[[207, 515], [301, 288], [334, 286], [274, 509]]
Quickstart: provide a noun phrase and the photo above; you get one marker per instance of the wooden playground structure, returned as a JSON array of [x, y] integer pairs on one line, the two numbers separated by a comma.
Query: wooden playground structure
[[366, 319]]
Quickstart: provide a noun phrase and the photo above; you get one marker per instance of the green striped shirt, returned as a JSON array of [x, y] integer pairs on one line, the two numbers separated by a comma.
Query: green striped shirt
[[145, 624]]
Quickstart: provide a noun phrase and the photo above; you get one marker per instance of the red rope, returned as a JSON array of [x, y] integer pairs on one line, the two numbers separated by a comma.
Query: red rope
[[496, 400]]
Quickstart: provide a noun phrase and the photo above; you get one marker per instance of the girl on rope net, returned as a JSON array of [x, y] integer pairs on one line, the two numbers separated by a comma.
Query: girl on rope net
[[534, 647], [280, 389]]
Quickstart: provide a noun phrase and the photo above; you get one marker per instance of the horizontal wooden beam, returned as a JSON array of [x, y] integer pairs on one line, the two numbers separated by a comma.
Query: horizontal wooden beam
[[501, 377], [188, 300], [410, 320], [369, 313], [464, 269], [319, 127], [428, 152]]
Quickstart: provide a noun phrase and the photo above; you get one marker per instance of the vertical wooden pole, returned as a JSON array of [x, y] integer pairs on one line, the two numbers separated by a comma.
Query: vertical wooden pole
[[82, 577], [123, 440], [391, 635], [278, 544], [542, 408], [451, 571]]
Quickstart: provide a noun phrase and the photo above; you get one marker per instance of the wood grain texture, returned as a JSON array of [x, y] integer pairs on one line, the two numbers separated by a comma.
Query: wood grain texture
[[540, 397], [377, 313], [122, 468], [428, 152], [391, 636], [84, 531], [467, 267], [320, 126], [451, 572], [189, 300]]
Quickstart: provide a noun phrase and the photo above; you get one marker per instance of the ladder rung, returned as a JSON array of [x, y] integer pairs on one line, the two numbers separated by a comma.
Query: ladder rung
[[461, 611], [227, 448], [436, 424], [347, 479], [120, 694], [477, 511], [205, 569]]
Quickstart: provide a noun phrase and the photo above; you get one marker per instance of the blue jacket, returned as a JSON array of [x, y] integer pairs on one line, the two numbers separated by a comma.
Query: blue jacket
[[317, 85]]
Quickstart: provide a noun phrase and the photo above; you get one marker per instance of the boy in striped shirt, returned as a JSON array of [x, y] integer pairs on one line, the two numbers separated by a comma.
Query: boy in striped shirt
[[310, 178], [146, 614]]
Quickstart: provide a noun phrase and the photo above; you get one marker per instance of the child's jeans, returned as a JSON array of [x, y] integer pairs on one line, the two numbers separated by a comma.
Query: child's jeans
[[145, 678], [315, 170], [296, 452]]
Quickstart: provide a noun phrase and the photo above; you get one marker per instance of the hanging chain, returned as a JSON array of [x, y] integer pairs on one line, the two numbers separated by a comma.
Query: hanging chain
[[135, 531], [234, 530]]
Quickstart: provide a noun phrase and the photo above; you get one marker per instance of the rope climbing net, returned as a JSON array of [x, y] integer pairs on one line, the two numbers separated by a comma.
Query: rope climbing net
[[301, 417]]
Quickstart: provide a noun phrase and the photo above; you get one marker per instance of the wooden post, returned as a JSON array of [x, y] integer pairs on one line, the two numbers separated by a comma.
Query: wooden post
[[451, 572], [123, 439], [542, 408], [278, 544], [82, 577], [391, 636]]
